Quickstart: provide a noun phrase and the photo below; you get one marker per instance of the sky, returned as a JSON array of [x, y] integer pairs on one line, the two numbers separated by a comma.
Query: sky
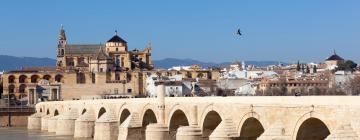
[[278, 30]]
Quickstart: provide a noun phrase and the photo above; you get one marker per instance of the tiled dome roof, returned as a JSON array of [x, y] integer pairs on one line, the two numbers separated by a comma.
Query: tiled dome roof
[[334, 57]]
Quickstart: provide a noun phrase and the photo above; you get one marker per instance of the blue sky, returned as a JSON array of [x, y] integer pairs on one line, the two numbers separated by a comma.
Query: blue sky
[[280, 30]]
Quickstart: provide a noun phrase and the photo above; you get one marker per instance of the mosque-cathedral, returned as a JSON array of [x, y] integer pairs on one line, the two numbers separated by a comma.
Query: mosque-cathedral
[[87, 71]]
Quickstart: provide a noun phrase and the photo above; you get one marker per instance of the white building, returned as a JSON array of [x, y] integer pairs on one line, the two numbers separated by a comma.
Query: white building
[[246, 90], [173, 85]]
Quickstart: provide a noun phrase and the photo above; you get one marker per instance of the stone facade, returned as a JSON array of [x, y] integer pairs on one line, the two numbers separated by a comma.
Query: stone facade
[[196, 118]]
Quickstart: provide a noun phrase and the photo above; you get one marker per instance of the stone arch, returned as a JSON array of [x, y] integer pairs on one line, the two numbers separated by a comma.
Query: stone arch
[[11, 79], [176, 119], [22, 79], [208, 109], [211, 120], [47, 111], [124, 114], [83, 111], [58, 78], [312, 129], [47, 77], [56, 112], [149, 107], [22, 88], [148, 117], [34, 78], [41, 110], [176, 108], [314, 116], [251, 129], [247, 116], [101, 112]]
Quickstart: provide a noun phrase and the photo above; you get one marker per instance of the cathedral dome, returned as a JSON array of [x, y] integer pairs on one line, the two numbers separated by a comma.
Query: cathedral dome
[[116, 38], [334, 57]]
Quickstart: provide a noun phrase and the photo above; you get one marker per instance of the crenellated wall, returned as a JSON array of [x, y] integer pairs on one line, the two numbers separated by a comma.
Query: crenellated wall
[[264, 118]]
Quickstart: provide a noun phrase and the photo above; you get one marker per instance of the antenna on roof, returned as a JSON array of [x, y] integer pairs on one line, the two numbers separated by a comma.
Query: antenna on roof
[[334, 51], [116, 33]]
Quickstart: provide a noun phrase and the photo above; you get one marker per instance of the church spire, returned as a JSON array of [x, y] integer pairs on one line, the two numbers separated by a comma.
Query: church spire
[[62, 35]]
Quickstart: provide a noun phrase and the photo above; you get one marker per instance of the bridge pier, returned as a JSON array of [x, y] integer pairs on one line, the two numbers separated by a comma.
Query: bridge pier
[[130, 129], [84, 125], [129, 133], [192, 132], [34, 121], [66, 123], [106, 127], [44, 123], [52, 123], [188, 133], [159, 131]]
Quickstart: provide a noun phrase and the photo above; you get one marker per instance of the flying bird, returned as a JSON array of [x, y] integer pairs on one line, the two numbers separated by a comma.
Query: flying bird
[[239, 32]]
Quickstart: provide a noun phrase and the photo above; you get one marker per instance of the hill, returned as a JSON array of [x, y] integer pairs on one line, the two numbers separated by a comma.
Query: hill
[[13, 63]]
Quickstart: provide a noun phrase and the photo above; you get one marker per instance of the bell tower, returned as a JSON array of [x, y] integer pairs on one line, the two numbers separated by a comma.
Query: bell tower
[[61, 48]]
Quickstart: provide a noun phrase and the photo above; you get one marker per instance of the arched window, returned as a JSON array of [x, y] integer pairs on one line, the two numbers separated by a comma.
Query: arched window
[[62, 51], [11, 89], [11, 79], [22, 79], [34, 79], [47, 77], [22, 88], [58, 78]]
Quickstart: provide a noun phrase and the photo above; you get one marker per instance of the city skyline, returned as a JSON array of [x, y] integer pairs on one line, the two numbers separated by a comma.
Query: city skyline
[[307, 30]]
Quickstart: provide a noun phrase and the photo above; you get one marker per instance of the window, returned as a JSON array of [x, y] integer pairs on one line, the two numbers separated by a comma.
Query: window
[[11, 79], [116, 91], [101, 69], [129, 90], [80, 78], [117, 76], [117, 49], [122, 61]]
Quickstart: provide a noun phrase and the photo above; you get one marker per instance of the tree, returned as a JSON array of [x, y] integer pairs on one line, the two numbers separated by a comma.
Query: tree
[[298, 68], [314, 69], [307, 69], [348, 65]]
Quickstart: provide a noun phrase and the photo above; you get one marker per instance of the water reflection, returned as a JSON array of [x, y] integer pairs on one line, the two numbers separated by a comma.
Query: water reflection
[[18, 133]]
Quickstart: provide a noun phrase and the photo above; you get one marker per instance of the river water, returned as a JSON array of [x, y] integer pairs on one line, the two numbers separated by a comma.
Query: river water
[[21, 133]]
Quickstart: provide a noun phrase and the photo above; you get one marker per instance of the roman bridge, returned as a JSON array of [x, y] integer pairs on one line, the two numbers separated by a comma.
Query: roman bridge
[[198, 118]]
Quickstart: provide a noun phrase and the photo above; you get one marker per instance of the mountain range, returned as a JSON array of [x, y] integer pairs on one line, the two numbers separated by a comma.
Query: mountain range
[[15, 63]]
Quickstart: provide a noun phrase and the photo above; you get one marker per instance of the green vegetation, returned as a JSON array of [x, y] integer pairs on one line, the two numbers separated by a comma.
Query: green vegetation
[[348, 65]]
